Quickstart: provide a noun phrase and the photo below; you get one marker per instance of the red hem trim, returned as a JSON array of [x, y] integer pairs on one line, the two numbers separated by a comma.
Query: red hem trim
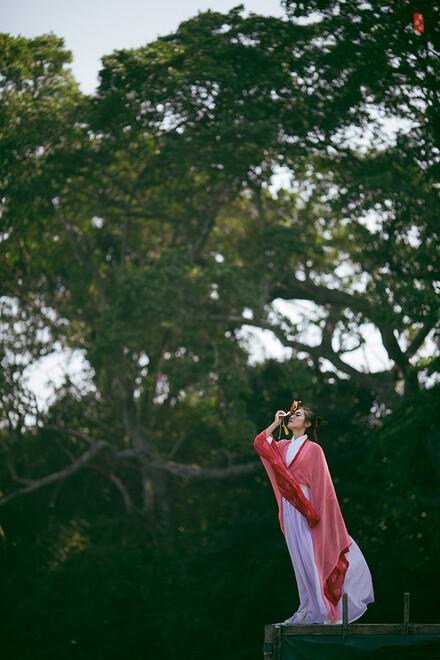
[[334, 582]]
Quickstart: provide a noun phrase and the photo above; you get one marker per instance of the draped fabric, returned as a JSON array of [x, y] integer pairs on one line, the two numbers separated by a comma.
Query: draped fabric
[[285, 483], [329, 534], [357, 584]]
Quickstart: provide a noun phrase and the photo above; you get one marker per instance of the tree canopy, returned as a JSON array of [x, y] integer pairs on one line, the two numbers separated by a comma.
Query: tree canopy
[[145, 227]]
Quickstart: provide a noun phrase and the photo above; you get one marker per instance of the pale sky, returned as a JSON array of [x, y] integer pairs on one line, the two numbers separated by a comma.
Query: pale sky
[[93, 28]]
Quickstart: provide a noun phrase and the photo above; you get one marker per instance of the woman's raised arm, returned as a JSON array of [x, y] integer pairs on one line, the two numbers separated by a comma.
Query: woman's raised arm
[[275, 423]]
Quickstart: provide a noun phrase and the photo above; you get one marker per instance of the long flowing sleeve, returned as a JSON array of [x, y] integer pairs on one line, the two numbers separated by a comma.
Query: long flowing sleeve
[[283, 483]]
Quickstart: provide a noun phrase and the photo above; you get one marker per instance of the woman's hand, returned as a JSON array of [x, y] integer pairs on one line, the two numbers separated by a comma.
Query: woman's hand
[[278, 416]]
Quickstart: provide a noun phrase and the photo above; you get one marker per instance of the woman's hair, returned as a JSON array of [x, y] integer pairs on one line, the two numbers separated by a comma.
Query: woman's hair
[[314, 420]]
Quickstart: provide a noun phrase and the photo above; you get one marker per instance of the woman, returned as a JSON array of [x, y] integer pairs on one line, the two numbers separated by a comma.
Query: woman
[[326, 560]]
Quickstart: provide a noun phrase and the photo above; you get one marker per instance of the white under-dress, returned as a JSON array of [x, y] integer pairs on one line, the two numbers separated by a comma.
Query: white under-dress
[[357, 585]]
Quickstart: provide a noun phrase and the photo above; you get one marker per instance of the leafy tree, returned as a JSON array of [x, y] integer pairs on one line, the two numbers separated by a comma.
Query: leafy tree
[[148, 236], [141, 227], [372, 59]]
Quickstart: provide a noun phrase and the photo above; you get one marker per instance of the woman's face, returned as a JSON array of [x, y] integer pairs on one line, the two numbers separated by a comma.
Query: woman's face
[[297, 422]]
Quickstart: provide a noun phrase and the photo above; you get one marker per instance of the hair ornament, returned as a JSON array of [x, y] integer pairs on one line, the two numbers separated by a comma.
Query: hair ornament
[[295, 405]]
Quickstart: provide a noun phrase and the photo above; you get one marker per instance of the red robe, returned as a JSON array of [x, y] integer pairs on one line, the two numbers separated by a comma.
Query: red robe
[[329, 534]]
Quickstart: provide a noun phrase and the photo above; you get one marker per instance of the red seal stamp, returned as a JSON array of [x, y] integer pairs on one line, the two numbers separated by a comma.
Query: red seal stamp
[[418, 23]]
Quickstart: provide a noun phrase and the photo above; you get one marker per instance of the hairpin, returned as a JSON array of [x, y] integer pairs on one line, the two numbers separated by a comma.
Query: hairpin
[[295, 405]]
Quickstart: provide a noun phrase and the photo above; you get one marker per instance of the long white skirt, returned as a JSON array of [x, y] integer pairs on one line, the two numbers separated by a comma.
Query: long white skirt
[[357, 583]]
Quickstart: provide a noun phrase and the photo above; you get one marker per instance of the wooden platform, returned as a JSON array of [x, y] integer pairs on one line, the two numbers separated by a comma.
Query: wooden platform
[[400, 640]]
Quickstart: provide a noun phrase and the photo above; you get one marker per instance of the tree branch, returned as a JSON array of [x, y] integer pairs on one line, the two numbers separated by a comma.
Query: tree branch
[[322, 295], [205, 231], [419, 339], [124, 492], [80, 462], [63, 429], [201, 474], [177, 444], [190, 471], [374, 381]]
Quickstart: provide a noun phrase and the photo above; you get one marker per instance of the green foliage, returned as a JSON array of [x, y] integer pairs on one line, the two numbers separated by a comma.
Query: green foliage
[[141, 227], [396, 518]]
